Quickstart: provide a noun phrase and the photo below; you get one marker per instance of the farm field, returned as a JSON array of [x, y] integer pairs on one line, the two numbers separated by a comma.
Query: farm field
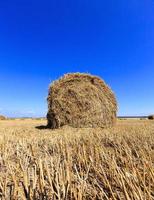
[[73, 163]]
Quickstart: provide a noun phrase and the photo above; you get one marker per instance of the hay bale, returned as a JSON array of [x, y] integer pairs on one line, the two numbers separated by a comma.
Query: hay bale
[[2, 117], [151, 117], [81, 100]]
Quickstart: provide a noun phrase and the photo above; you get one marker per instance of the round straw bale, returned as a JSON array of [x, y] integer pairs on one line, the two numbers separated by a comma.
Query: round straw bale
[[2, 117], [81, 101], [151, 117]]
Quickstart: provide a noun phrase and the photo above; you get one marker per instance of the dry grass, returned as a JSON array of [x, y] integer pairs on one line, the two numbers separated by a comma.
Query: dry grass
[[116, 163]]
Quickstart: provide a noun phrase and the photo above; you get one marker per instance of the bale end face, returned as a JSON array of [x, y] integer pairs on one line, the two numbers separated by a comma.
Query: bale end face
[[81, 100]]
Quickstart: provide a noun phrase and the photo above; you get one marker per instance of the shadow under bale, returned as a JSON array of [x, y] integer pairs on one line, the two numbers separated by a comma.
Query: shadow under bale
[[81, 101], [42, 127]]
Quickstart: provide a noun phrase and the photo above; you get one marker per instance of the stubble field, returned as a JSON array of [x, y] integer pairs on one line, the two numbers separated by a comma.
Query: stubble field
[[116, 163]]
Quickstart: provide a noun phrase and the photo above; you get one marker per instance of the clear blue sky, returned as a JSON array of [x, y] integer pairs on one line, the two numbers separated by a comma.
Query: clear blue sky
[[42, 40]]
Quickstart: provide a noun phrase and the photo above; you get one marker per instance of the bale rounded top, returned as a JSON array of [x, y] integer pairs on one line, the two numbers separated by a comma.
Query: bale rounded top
[[81, 100]]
